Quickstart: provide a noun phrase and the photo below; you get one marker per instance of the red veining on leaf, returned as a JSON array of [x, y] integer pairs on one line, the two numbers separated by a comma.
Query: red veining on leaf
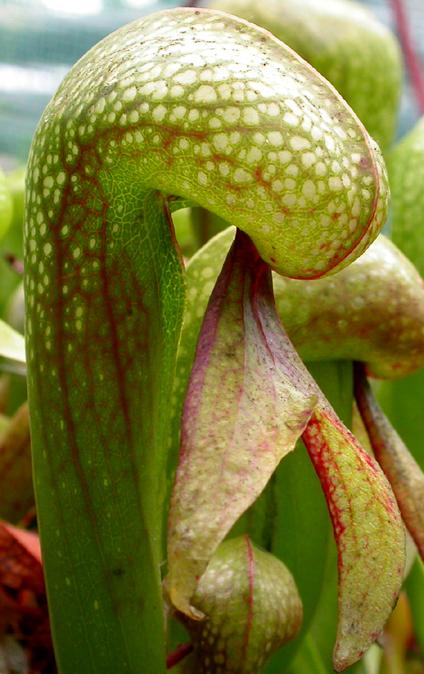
[[114, 335], [59, 341], [368, 532], [116, 344], [324, 459], [100, 304], [318, 450]]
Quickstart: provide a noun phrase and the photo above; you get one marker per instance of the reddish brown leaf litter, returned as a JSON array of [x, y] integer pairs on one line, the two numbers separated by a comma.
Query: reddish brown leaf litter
[[23, 603]]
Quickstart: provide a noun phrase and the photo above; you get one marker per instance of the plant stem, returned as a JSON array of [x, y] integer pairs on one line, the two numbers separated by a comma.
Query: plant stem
[[179, 654]]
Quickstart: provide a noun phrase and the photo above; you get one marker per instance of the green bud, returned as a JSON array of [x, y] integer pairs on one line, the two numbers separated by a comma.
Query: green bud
[[252, 607]]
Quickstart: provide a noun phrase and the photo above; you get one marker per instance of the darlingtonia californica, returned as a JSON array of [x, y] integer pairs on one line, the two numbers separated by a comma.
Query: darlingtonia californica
[[188, 106]]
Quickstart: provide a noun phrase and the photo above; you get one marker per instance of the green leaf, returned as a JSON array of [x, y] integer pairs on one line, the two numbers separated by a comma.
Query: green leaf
[[301, 527], [310, 659], [315, 653], [415, 590], [6, 205], [402, 400], [100, 481], [11, 243], [16, 183], [406, 173], [12, 344], [244, 411]]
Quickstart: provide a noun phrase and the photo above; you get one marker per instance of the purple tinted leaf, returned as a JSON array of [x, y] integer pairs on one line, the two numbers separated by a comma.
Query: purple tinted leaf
[[244, 411], [398, 464]]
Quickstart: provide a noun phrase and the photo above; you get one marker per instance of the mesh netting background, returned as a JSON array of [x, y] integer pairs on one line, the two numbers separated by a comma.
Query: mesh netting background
[[41, 39]]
